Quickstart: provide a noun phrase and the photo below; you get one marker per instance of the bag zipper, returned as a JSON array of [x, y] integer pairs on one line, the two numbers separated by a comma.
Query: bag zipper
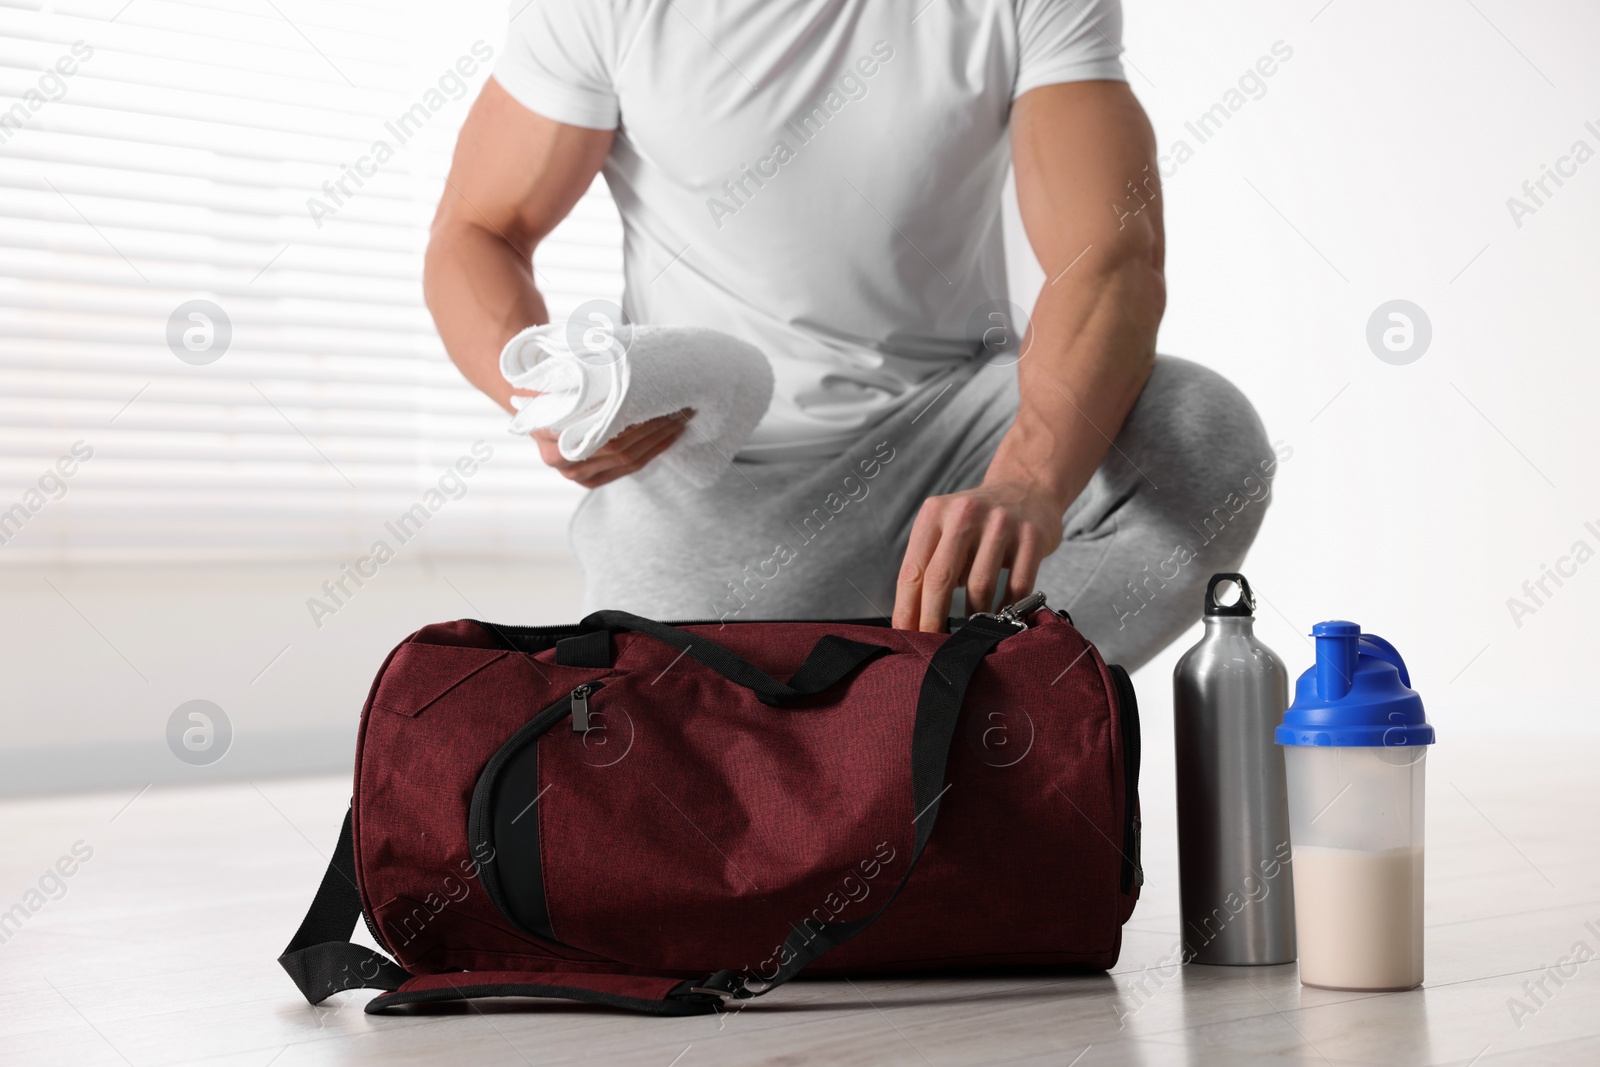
[[1012, 613], [372, 927], [1132, 829]]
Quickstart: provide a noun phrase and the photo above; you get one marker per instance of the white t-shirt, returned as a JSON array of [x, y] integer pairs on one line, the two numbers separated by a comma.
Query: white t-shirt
[[821, 178]]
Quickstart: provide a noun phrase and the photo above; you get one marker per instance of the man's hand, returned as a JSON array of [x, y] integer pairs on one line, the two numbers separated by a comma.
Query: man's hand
[[619, 457], [965, 540]]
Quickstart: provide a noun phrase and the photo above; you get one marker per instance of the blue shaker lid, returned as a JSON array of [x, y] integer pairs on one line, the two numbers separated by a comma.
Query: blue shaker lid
[[1358, 694]]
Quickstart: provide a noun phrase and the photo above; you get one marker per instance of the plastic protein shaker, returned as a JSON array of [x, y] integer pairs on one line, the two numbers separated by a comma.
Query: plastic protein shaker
[[1355, 746]]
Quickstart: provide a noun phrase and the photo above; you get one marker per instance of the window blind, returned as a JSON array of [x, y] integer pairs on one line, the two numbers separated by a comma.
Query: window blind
[[179, 176]]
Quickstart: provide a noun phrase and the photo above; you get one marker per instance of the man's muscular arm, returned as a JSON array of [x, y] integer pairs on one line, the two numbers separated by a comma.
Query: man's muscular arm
[[515, 175], [1085, 162]]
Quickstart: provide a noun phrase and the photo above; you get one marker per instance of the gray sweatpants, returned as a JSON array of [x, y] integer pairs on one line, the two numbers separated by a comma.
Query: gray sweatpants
[[1179, 497]]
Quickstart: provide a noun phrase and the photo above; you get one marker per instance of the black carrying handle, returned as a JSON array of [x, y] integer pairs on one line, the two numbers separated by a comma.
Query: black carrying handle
[[830, 660], [322, 961]]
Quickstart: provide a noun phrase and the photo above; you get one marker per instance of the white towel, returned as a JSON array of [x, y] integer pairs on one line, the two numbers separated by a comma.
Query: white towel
[[635, 373]]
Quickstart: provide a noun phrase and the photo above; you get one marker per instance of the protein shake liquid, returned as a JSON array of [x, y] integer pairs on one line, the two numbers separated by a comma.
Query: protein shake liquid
[[1355, 754]]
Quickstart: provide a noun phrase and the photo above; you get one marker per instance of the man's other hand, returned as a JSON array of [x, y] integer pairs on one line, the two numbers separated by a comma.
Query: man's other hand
[[964, 540], [624, 454]]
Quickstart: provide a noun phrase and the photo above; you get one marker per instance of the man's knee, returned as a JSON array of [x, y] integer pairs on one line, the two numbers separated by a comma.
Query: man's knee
[[1190, 410], [1198, 479], [1201, 440]]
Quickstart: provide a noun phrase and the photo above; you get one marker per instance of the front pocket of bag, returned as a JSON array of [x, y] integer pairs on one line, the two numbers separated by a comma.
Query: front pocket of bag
[[503, 821]]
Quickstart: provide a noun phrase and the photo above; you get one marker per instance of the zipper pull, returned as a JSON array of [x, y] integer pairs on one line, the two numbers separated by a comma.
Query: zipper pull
[[580, 708]]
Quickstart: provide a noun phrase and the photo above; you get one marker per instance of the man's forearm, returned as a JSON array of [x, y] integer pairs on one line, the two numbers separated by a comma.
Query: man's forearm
[[1080, 151], [1088, 353], [516, 174], [481, 293]]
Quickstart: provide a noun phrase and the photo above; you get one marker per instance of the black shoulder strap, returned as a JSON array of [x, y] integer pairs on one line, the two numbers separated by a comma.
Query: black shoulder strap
[[944, 686], [321, 958], [322, 961]]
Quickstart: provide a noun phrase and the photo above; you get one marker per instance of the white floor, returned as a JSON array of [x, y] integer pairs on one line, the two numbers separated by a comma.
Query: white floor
[[161, 951]]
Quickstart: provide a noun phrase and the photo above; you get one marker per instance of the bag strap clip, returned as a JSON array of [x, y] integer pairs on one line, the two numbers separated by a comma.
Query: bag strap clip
[[1016, 614]]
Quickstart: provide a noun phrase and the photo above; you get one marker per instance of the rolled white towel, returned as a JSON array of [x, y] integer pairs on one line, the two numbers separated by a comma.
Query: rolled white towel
[[636, 373]]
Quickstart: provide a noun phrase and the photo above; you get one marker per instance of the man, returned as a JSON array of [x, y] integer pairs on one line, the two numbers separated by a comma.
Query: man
[[823, 178]]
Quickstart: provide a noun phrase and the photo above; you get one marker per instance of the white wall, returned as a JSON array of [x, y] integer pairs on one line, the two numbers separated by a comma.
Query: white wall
[[98, 651], [1376, 166], [96, 660]]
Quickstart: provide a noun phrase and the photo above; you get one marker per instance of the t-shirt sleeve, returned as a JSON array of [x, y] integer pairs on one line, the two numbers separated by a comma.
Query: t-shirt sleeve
[[1067, 41], [558, 61]]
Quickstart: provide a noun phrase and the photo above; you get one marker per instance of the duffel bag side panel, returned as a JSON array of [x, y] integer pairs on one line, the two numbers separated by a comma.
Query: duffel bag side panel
[[436, 716]]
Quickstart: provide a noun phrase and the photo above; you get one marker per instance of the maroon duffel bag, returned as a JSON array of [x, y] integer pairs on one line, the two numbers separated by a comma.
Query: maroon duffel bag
[[641, 815]]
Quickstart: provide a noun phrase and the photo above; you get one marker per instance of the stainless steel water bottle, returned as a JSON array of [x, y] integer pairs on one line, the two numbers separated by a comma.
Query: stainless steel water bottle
[[1229, 695]]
